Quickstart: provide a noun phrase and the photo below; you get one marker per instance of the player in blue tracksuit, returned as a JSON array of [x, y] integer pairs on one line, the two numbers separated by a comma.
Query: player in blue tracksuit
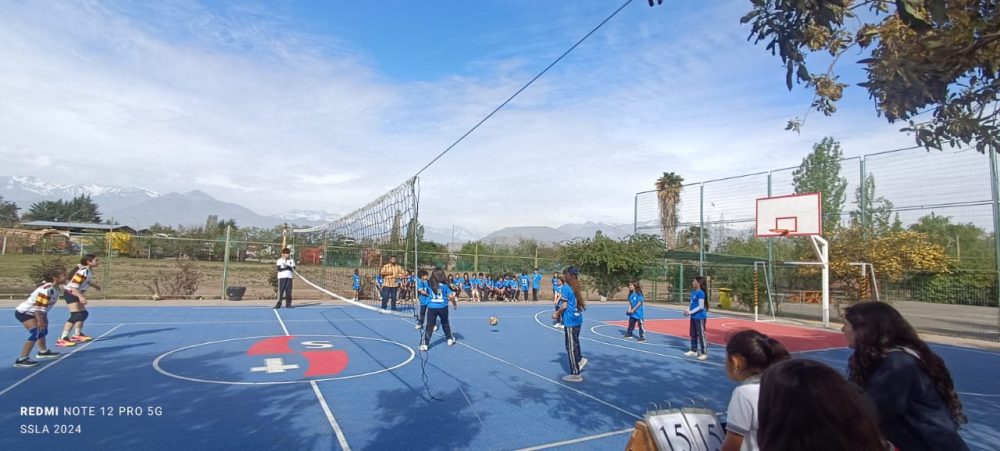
[[356, 284], [536, 284], [571, 310], [698, 311], [635, 311], [525, 284], [423, 295], [555, 285], [467, 285], [437, 307]]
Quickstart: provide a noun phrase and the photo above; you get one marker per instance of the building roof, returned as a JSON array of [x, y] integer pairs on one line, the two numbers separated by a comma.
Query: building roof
[[78, 226]]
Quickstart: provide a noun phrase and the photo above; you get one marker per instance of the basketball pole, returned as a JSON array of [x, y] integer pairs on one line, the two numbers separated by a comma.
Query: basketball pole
[[822, 248]]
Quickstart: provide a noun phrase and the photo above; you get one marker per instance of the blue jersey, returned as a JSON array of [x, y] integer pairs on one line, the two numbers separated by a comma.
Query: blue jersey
[[536, 281], [635, 301], [439, 299], [555, 284], [511, 283], [698, 302], [378, 280], [423, 285], [356, 282], [525, 281], [467, 283], [571, 316], [498, 284], [458, 281]]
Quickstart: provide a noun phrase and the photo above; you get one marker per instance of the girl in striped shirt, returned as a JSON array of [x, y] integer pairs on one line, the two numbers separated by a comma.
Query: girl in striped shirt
[[33, 315]]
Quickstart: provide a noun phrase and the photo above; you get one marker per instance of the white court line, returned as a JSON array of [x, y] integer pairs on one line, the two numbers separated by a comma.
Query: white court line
[[683, 359], [595, 332], [60, 359], [322, 401], [580, 392], [578, 440]]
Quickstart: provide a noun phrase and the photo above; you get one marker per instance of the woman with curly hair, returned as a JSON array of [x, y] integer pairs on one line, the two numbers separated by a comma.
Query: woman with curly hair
[[918, 407]]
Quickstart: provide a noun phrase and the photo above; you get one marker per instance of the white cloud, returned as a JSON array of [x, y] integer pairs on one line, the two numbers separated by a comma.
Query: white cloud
[[236, 106]]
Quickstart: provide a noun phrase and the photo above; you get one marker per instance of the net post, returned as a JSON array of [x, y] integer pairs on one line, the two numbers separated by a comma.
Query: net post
[[225, 262], [756, 292]]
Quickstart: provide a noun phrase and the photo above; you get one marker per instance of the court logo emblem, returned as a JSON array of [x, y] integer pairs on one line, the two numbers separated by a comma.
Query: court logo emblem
[[283, 359]]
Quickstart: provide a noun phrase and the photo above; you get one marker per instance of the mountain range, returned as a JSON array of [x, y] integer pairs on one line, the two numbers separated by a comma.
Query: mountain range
[[140, 208]]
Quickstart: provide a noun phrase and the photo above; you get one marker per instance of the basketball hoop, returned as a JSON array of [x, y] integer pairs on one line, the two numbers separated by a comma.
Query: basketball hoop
[[782, 232]]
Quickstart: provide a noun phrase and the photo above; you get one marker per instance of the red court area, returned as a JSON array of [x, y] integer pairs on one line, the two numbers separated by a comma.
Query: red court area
[[795, 339]]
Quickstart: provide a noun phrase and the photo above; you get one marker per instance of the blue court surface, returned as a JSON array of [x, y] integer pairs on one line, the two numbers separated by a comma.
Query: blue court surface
[[342, 377]]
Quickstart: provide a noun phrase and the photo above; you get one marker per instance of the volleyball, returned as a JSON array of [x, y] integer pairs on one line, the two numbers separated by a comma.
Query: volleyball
[[494, 321]]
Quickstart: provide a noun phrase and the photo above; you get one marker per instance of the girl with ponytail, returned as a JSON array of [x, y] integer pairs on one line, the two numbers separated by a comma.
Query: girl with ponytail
[[748, 354], [571, 310]]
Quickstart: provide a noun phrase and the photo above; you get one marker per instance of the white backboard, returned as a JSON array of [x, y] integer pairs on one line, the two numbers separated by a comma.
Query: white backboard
[[799, 214]]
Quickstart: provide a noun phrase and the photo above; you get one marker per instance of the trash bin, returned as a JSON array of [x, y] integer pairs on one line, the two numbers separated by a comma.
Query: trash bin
[[236, 293], [726, 298]]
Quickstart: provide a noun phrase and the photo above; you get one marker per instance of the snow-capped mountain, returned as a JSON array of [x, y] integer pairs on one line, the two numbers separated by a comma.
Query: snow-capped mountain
[[307, 216], [27, 190]]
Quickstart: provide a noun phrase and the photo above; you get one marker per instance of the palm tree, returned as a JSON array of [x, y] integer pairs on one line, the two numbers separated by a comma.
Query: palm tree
[[668, 191]]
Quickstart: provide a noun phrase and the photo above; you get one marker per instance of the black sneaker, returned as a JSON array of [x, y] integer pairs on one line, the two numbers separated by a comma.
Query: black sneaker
[[47, 354], [642, 339], [278, 305], [25, 363], [288, 306]]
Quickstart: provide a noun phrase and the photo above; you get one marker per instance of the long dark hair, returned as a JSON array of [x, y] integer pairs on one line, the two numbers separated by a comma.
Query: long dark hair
[[437, 279], [636, 287], [805, 404], [879, 328], [759, 350], [86, 260], [570, 278], [703, 286]]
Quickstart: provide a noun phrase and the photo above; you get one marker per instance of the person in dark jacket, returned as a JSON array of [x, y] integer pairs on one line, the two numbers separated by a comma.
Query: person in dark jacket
[[918, 407]]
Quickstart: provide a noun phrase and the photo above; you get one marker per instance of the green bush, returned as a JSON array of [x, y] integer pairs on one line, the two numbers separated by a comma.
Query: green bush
[[961, 288]]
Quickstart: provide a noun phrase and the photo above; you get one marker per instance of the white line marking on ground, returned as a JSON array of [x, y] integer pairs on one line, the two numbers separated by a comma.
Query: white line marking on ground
[[470, 405], [329, 416], [580, 392], [683, 359], [60, 359], [322, 401], [578, 440], [594, 331], [281, 321], [978, 394]]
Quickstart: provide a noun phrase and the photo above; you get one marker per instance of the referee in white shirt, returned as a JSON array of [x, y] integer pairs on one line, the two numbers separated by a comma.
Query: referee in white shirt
[[285, 267]]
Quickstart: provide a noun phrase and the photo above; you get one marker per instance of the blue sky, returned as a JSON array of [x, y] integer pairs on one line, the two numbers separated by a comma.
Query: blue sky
[[325, 105]]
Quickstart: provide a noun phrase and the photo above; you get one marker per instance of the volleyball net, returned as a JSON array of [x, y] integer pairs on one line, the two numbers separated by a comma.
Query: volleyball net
[[344, 258]]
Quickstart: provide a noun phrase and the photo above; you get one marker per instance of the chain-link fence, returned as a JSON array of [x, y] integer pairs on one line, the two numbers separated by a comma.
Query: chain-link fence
[[950, 196]]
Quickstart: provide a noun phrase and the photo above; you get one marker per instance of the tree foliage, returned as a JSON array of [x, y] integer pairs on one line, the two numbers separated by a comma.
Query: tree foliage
[[820, 172], [968, 245], [668, 192], [893, 254], [8, 213], [609, 264], [79, 209], [874, 213], [941, 56]]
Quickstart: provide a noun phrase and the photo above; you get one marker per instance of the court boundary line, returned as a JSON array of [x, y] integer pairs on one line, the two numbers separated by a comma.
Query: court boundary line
[[642, 344], [683, 359], [552, 381], [577, 440], [322, 400], [60, 359]]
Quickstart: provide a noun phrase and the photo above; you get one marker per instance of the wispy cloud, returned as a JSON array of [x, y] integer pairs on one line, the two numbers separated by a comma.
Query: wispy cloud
[[237, 105]]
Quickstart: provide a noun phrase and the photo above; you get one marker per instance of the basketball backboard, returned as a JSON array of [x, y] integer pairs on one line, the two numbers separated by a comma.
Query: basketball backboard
[[791, 215]]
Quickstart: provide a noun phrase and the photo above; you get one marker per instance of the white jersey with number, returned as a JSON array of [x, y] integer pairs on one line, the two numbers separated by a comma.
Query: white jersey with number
[[40, 300]]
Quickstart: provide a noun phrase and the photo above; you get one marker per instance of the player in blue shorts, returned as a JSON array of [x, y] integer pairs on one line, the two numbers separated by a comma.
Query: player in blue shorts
[[525, 285], [424, 295]]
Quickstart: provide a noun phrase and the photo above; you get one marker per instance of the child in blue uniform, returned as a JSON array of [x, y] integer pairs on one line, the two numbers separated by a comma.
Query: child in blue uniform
[[356, 284], [557, 288], [536, 284], [437, 307], [424, 295], [525, 284], [635, 311], [698, 311], [571, 311]]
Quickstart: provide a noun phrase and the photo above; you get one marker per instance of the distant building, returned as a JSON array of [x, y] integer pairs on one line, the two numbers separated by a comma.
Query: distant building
[[78, 227]]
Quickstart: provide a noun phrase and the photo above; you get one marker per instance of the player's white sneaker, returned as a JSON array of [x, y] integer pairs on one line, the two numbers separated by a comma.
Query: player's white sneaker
[[423, 347], [573, 378], [451, 342], [583, 363], [703, 357], [559, 326], [418, 326], [690, 353]]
